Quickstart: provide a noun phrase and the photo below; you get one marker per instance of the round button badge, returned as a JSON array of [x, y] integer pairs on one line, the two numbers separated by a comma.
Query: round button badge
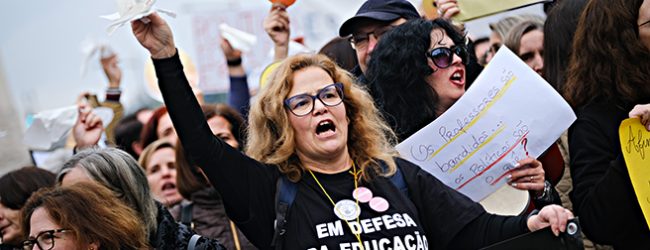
[[379, 204], [347, 210], [362, 194]]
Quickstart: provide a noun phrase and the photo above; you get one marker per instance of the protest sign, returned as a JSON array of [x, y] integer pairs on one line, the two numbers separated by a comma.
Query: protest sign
[[508, 114], [472, 9], [635, 145]]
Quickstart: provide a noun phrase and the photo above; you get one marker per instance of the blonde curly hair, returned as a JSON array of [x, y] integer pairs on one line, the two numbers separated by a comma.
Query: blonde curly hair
[[271, 138]]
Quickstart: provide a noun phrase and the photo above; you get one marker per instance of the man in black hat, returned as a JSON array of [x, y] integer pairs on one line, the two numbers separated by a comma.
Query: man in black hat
[[373, 19]]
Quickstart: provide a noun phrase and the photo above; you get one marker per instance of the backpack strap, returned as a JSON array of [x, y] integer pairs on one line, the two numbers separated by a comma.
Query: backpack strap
[[397, 179], [186, 214], [284, 196], [192, 244]]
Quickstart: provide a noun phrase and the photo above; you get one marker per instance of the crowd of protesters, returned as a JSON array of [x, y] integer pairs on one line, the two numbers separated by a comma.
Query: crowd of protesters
[[310, 162]]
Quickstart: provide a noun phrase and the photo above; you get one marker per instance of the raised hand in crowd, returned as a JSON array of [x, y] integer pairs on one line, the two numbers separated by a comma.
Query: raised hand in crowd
[[447, 8], [233, 57], [642, 111], [155, 36], [88, 129], [276, 25], [112, 71]]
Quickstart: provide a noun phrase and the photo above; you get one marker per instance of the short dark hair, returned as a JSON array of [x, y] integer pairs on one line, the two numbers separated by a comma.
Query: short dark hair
[[127, 131], [149, 131], [18, 185], [340, 51]]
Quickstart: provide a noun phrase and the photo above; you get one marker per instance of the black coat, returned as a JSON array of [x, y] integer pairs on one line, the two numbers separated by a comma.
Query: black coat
[[172, 235]]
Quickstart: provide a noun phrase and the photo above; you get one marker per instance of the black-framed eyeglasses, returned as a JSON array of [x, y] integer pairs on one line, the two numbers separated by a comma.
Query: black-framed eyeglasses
[[646, 22], [303, 104], [360, 41], [44, 240], [442, 57]]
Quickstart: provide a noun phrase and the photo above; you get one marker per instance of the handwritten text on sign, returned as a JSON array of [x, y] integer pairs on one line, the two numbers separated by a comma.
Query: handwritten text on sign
[[635, 144], [509, 113]]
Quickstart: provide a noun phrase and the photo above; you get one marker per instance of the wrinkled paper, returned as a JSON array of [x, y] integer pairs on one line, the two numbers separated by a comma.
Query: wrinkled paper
[[52, 126], [238, 39], [131, 10]]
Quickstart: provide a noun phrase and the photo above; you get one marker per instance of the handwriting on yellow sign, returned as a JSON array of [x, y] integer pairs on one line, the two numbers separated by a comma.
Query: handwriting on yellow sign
[[635, 141]]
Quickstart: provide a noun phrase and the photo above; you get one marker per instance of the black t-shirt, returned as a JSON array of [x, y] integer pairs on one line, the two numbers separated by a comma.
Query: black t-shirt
[[313, 223]]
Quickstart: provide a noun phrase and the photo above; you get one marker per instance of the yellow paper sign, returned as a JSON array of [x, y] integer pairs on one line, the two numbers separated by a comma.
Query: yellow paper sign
[[472, 9], [635, 144]]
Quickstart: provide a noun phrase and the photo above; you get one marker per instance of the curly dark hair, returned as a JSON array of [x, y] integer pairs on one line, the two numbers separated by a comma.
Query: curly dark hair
[[398, 70], [609, 62]]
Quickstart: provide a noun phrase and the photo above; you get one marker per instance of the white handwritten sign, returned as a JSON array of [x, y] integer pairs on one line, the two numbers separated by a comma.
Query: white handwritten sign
[[509, 113]]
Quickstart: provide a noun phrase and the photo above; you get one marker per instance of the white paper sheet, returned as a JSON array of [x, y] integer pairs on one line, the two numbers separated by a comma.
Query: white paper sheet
[[52, 126], [238, 39], [508, 113], [131, 10], [90, 47]]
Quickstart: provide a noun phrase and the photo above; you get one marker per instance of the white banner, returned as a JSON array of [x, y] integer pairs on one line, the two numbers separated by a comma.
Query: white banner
[[507, 114]]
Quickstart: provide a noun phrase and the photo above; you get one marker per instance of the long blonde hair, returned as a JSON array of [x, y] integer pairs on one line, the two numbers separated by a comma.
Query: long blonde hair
[[271, 138]]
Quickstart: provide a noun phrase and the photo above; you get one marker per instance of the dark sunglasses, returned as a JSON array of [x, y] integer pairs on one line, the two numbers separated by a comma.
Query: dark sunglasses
[[442, 57]]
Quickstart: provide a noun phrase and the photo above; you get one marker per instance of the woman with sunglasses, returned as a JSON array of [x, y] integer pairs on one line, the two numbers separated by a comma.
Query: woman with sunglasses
[[81, 216], [418, 72], [312, 126]]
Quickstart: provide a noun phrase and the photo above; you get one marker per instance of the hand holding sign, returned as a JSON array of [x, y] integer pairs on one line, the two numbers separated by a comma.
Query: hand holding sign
[[643, 113], [635, 145]]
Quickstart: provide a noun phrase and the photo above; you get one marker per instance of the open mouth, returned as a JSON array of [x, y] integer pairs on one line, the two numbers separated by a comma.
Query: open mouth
[[168, 186], [325, 127], [458, 77]]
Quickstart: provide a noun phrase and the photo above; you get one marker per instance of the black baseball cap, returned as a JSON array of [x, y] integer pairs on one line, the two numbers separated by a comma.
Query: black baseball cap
[[381, 10]]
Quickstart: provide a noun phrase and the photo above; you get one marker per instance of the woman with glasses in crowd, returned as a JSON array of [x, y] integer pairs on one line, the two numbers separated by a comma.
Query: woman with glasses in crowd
[[119, 172], [315, 128], [418, 72], [81, 216], [15, 188], [608, 81]]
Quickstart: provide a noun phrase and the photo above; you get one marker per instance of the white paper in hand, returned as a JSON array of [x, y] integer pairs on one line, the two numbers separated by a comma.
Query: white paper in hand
[[131, 10], [91, 47], [52, 126], [238, 39]]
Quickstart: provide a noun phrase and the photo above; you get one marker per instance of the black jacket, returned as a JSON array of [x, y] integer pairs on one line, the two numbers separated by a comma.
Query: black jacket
[[172, 235], [602, 194]]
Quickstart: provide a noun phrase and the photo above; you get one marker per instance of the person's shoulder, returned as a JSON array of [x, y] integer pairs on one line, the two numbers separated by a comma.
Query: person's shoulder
[[600, 107], [406, 165]]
